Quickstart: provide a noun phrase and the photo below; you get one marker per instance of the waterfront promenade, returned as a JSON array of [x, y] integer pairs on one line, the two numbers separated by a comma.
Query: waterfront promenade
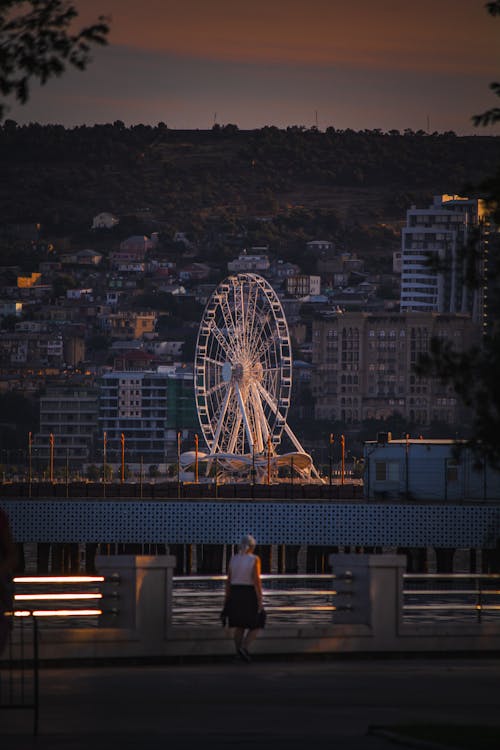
[[271, 703]]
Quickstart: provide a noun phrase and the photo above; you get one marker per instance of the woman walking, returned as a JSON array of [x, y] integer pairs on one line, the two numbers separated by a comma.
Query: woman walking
[[243, 602]]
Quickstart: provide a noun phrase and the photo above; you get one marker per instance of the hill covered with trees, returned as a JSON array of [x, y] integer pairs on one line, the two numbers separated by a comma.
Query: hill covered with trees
[[188, 179]]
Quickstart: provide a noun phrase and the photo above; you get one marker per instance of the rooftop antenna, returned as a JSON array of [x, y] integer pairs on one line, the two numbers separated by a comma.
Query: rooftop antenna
[[316, 117]]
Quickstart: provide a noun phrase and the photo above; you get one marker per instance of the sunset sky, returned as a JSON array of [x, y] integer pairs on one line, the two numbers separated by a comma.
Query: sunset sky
[[359, 64]]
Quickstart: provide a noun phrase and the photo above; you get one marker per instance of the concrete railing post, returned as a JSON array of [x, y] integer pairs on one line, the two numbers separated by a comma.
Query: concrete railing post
[[370, 592], [144, 585]]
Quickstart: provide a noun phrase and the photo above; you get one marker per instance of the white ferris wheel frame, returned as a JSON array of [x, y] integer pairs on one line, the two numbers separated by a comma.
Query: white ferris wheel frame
[[243, 371]]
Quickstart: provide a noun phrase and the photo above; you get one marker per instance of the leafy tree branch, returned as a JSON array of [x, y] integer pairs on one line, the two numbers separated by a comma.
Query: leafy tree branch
[[491, 116], [37, 42]]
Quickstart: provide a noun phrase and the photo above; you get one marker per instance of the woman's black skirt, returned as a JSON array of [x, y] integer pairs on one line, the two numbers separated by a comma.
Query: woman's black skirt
[[242, 608]]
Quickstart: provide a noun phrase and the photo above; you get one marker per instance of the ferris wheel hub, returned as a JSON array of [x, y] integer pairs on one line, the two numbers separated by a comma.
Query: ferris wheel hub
[[242, 372]]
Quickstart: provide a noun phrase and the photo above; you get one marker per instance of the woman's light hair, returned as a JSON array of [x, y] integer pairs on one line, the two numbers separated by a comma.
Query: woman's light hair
[[247, 542]]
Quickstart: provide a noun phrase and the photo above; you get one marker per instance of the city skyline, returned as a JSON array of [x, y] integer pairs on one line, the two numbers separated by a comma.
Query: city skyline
[[379, 64]]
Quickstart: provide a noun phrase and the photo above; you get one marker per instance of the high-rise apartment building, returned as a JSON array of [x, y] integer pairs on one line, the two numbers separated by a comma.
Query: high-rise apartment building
[[363, 366], [69, 414], [440, 246], [149, 407]]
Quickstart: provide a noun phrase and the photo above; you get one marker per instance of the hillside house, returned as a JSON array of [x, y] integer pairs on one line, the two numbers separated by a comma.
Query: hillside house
[[105, 220]]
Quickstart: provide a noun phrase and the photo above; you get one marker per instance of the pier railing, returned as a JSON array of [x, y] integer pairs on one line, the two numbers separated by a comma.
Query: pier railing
[[451, 597], [137, 608]]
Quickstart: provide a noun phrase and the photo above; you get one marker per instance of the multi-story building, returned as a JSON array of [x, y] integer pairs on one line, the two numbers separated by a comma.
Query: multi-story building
[[303, 285], [128, 324], [255, 262], [31, 349], [364, 366], [436, 256], [149, 408], [70, 416]]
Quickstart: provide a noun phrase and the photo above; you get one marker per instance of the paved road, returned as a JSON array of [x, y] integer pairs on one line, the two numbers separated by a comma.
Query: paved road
[[268, 704]]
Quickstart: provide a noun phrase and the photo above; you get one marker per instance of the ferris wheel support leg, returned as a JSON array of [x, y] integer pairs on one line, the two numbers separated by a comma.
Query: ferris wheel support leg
[[298, 446], [263, 432], [220, 423], [234, 433], [244, 416]]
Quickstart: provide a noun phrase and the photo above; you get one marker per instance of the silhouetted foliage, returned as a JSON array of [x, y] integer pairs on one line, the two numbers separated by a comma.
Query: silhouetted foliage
[[475, 373], [37, 42], [491, 115]]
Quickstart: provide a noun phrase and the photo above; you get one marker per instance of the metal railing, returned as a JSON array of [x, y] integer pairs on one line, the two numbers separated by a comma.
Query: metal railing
[[19, 667], [288, 599], [58, 597], [458, 597]]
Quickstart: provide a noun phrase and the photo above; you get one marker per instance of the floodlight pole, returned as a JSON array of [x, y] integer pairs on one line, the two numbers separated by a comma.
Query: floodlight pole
[[30, 465], [342, 446], [104, 445], [196, 459], [178, 465], [122, 441], [51, 461]]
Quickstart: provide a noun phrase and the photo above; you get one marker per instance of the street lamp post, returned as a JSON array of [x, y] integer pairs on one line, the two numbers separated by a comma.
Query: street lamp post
[[269, 459], [196, 459], [122, 441], [104, 445], [342, 446], [330, 459], [253, 471], [51, 461], [30, 466], [178, 465]]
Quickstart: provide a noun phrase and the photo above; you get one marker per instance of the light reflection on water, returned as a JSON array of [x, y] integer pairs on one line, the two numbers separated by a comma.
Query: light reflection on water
[[297, 600]]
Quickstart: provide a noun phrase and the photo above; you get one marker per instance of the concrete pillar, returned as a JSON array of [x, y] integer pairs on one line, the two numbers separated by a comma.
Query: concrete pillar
[[370, 592], [444, 559], [144, 585]]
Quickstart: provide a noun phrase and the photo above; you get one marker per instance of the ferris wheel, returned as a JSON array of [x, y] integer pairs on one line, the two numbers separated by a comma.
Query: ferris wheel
[[243, 368]]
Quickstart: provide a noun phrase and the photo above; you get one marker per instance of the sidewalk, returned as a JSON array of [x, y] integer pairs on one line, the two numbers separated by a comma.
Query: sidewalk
[[273, 704]]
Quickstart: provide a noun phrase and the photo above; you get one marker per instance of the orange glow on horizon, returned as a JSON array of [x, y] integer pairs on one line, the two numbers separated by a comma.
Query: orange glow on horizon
[[391, 34]]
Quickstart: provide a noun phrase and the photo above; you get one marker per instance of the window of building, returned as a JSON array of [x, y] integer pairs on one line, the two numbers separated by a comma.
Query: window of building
[[387, 471], [451, 470]]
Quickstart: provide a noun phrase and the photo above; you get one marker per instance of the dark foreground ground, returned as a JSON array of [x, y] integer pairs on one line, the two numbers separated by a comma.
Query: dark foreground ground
[[273, 704]]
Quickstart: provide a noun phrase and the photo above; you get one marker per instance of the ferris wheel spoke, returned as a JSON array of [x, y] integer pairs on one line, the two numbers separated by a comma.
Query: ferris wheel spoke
[[271, 370], [215, 388], [228, 318], [261, 332], [262, 350], [253, 296], [221, 339], [212, 361], [269, 398]]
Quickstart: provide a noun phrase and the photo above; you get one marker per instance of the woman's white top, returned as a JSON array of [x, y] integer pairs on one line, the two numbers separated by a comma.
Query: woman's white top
[[241, 567]]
